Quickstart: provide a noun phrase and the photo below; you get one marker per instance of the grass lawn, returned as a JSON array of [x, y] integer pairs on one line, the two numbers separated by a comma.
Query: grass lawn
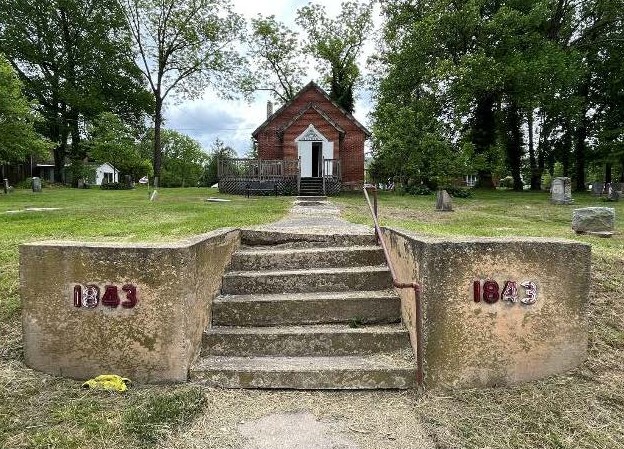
[[39, 411], [580, 409]]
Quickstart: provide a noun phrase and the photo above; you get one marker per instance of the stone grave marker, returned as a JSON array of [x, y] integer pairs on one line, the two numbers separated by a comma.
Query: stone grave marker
[[597, 188], [561, 191], [444, 203], [613, 193], [128, 181], [36, 184], [594, 220], [6, 185]]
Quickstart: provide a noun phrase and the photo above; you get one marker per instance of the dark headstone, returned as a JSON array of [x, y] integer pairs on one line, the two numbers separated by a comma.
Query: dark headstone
[[6, 185], [444, 203], [36, 184], [128, 181], [594, 220], [597, 188], [561, 191]]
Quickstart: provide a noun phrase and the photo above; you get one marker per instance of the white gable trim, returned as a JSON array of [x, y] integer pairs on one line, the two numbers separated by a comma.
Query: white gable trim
[[311, 134]]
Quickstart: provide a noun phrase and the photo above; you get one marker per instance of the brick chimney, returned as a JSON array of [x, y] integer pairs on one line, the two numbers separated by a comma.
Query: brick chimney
[[269, 108]]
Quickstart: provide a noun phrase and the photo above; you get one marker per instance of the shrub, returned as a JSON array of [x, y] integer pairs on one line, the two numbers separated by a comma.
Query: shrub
[[115, 186], [420, 189], [507, 182], [459, 192]]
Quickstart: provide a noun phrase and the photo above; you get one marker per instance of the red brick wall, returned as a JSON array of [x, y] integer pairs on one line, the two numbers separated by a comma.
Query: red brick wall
[[350, 151]]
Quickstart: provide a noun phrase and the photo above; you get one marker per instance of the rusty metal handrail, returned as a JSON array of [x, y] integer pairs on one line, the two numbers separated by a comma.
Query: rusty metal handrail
[[397, 284]]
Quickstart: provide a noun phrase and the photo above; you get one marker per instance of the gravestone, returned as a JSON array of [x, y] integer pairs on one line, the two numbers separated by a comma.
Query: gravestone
[[594, 220], [597, 188], [128, 181], [613, 194], [561, 191], [36, 184], [6, 185], [444, 202]]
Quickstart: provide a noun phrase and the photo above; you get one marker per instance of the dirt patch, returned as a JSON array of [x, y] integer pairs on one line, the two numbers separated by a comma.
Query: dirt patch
[[235, 419]]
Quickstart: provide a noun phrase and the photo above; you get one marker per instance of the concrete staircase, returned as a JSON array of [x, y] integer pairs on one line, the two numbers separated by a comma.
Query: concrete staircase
[[307, 315], [311, 187]]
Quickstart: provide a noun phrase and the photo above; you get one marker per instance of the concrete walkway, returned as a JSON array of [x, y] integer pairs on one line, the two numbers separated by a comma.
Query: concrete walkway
[[315, 216]]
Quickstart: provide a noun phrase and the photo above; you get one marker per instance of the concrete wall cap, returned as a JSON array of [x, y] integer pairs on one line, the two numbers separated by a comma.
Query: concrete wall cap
[[183, 243]]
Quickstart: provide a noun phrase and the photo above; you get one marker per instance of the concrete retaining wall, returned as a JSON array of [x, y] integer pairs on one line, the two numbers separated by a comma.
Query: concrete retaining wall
[[488, 343], [152, 339]]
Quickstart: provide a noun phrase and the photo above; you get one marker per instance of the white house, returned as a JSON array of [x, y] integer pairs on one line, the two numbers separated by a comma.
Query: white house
[[105, 174]]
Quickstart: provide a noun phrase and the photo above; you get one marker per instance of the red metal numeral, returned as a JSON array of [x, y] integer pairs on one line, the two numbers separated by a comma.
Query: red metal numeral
[[131, 296], [490, 292], [110, 298]]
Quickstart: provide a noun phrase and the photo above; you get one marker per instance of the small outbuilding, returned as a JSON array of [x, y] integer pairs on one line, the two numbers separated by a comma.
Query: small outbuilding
[[106, 174], [308, 146]]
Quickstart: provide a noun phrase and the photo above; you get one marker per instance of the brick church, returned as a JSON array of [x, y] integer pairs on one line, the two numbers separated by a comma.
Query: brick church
[[326, 139]]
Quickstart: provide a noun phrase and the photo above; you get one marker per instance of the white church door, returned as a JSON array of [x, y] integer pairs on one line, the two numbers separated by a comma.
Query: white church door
[[311, 163]]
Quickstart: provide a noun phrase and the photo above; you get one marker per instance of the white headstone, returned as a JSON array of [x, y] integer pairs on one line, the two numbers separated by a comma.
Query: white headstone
[[561, 191]]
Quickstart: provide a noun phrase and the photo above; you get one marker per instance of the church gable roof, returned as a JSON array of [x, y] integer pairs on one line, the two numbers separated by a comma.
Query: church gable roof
[[316, 87]]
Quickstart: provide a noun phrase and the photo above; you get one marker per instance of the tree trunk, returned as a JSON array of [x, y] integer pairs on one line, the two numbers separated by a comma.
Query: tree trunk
[[565, 148], [622, 170], [536, 174], [483, 136], [608, 172], [514, 144], [158, 119], [580, 146]]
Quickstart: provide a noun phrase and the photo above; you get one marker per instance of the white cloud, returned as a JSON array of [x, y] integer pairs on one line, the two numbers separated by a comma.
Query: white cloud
[[210, 117]]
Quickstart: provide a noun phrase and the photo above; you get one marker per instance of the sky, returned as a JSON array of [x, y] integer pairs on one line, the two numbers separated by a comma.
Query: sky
[[209, 117]]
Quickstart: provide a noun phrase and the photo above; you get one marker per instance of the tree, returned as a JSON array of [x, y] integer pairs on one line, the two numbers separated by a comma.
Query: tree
[[75, 61], [112, 140], [278, 57], [18, 139], [183, 159], [336, 44], [183, 47], [218, 152]]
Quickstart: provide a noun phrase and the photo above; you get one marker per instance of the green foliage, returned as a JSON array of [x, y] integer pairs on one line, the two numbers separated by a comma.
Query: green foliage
[[184, 161], [218, 151], [336, 45], [78, 170], [114, 186], [507, 182], [18, 139], [459, 192], [75, 61], [117, 143], [276, 52]]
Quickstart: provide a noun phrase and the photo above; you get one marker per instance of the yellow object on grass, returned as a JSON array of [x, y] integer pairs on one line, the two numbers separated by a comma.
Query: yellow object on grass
[[111, 382]]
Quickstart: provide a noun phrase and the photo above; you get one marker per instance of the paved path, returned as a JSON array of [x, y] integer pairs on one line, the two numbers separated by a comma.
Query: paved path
[[315, 217]]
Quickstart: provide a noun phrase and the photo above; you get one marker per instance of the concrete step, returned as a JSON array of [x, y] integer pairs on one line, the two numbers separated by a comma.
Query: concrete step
[[313, 340], [346, 372], [309, 280], [306, 308], [299, 258], [280, 240], [312, 198]]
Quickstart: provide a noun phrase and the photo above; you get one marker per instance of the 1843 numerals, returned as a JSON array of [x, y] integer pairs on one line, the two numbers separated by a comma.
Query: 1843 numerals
[[490, 292], [90, 296]]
